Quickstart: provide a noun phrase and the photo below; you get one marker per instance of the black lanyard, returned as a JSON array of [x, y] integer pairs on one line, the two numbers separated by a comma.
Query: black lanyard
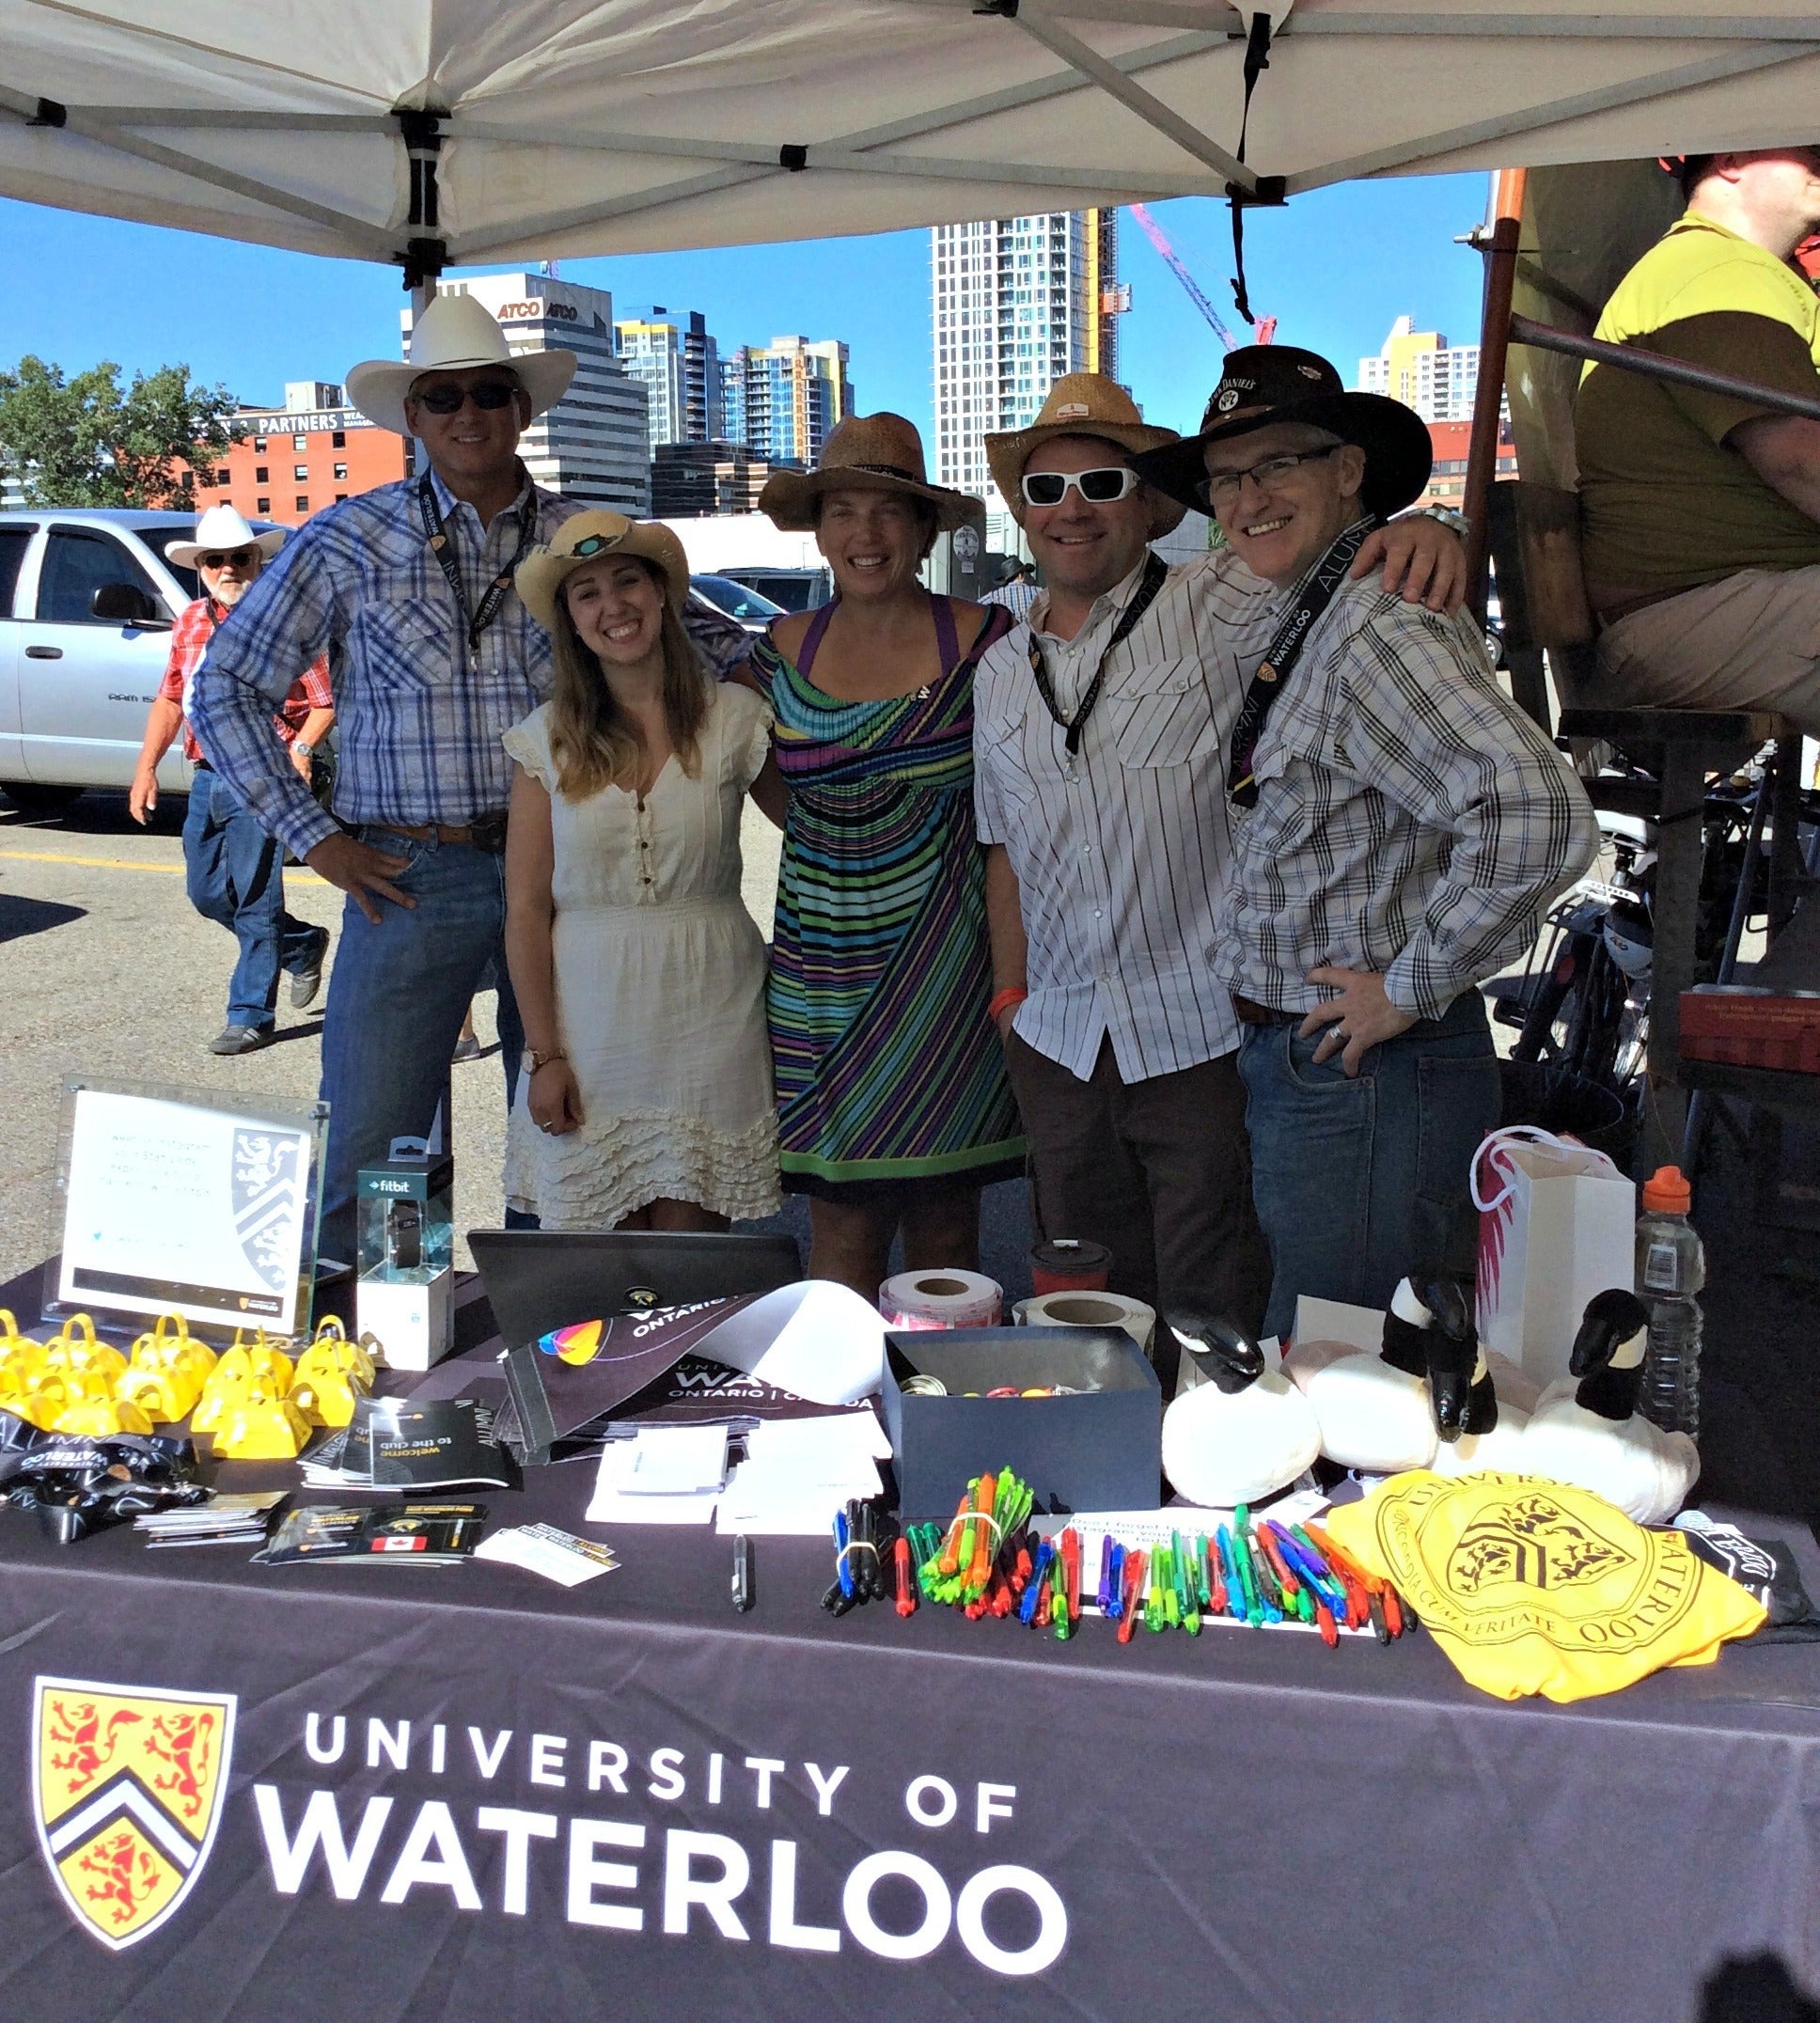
[[1313, 597], [1155, 574], [442, 548]]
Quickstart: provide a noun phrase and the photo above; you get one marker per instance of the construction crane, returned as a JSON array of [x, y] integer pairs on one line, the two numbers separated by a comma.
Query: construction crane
[[1154, 232]]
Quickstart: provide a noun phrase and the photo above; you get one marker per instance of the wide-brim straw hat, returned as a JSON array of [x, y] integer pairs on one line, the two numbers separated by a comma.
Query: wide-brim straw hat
[[1079, 404], [587, 538], [882, 451], [1266, 384], [455, 334], [220, 531]]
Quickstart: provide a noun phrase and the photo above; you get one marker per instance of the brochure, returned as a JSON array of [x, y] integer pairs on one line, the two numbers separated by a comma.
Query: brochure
[[425, 1534]]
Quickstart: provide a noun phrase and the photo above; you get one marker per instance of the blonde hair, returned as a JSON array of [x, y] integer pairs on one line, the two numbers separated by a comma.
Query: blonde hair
[[592, 740]]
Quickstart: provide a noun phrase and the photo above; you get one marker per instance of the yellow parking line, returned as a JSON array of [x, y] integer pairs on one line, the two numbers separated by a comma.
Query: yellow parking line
[[128, 864]]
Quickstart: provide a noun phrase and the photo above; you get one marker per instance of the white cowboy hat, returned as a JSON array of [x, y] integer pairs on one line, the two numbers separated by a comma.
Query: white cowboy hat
[[220, 531], [454, 335]]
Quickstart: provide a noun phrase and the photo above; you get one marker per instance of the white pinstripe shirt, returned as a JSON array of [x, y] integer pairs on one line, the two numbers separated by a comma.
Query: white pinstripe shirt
[[1121, 868]]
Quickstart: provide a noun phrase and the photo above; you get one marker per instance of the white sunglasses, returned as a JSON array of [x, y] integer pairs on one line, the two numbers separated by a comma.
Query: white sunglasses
[[1101, 486]]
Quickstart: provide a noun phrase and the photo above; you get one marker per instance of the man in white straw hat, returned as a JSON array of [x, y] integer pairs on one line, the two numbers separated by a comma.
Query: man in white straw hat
[[234, 869], [1099, 746], [412, 582]]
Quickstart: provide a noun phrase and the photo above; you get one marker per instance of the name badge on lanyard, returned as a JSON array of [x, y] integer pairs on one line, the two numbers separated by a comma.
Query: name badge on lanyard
[[1314, 593]]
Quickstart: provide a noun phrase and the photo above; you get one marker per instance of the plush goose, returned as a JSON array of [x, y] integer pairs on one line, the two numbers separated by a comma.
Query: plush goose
[[1374, 1410], [1244, 1432], [1585, 1429]]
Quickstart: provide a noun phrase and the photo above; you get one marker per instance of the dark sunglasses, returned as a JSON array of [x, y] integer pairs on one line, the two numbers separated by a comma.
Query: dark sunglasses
[[490, 394], [1110, 481], [231, 558]]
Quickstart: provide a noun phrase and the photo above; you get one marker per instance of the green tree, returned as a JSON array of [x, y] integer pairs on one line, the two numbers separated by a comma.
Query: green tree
[[83, 442]]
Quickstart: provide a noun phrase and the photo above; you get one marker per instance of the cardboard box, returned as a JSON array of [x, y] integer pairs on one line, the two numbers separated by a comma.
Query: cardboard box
[[1750, 1028], [1098, 1451]]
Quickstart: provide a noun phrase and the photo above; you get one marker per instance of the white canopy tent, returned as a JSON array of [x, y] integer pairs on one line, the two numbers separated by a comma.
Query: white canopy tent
[[571, 127]]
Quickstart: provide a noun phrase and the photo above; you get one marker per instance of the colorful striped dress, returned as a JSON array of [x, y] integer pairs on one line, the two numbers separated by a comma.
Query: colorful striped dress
[[887, 1068]]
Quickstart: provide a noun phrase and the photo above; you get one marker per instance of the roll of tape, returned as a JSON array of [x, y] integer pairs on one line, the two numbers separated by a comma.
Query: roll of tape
[[941, 1299], [1089, 1309]]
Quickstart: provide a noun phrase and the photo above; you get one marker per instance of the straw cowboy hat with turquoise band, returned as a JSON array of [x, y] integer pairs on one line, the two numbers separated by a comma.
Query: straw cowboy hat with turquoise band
[[587, 538], [455, 334]]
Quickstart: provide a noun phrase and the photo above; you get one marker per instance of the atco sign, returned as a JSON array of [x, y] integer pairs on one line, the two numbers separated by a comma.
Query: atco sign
[[532, 312]]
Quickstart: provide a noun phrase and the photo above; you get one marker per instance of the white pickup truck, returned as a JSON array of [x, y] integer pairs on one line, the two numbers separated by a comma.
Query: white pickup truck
[[88, 598]]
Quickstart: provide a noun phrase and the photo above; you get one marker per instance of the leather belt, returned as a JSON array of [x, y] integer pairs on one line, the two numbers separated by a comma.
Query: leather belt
[[487, 833], [1250, 1013]]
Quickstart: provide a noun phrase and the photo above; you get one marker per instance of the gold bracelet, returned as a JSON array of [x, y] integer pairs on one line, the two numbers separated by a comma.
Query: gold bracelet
[[544, 1060]]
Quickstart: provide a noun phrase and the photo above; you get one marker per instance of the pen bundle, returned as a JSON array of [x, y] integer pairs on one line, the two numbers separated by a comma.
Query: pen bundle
[[1254, 1571], [864, 1536], [987, 1562]]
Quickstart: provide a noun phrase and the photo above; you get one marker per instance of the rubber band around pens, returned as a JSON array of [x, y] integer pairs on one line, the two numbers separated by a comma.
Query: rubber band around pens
[[854, 1545], [968, 1517]]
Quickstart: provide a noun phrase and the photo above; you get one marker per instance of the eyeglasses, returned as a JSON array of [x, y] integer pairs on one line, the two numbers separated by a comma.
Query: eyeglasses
[[490, 394], [1102, 486], [1224, 488], [229, 559]]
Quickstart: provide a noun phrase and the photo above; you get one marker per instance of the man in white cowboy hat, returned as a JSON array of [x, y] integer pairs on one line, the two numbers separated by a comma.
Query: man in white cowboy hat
[[1399, 824], [1099, 744], [413, 582], [234, 868]]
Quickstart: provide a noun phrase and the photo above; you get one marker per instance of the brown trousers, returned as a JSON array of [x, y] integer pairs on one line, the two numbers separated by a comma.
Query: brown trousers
[[1157, 1170]]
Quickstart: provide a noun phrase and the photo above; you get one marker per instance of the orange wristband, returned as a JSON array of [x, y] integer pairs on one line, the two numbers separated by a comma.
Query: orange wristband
[[1003, 1000]]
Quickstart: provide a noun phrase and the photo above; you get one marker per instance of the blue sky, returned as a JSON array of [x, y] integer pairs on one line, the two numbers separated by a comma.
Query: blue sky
[[1336, 266]]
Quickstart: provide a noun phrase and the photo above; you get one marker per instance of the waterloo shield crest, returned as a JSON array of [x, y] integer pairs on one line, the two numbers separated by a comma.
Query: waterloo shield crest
[[127, 1789]]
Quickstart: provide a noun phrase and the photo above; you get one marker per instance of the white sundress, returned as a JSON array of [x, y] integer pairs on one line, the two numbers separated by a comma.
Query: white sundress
[[660, 976]]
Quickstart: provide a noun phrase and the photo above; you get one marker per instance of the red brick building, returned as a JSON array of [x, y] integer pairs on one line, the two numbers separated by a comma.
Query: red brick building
[[1447, 482], [287, 462]]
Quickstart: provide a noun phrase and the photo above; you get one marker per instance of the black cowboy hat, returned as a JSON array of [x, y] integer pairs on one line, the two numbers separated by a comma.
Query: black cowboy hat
[[1266, 384]]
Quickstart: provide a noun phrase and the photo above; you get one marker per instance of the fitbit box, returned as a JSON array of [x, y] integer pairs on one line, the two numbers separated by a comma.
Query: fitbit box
[[405, 1227], [1098, 1447]]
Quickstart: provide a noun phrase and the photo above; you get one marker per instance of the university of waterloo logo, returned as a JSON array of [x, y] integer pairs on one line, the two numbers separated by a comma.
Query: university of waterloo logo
[[127, 1788]]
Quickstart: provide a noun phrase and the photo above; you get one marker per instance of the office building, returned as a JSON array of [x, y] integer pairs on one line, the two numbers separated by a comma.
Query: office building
[[1447, 481], [1016, 302], [691, 479], [287, 462], [783, 398], [594, 445], [679, 365], [1420, 368]]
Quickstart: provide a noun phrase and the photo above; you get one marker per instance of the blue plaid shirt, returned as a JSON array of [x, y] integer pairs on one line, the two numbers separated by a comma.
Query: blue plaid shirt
[[419, 714]]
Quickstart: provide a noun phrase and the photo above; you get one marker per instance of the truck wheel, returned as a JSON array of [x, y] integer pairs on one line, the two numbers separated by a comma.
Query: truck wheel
[[33, 800]]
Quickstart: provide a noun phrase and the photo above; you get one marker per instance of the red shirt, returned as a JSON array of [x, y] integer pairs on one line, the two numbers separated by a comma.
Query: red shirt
[[190, 637]]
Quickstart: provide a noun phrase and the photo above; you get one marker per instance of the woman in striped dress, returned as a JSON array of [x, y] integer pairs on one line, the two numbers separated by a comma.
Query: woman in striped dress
[[893, 1104]]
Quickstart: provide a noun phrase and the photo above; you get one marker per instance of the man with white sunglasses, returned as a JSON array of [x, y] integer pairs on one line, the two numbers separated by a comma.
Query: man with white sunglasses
[[1100, 727]]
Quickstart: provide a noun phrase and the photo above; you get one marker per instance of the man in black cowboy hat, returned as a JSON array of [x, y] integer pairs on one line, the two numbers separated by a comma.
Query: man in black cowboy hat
[[1100, 731], [1399, 827]]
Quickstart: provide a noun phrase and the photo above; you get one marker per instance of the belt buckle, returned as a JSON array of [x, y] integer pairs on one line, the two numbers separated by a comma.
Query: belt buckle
[[489, 834]]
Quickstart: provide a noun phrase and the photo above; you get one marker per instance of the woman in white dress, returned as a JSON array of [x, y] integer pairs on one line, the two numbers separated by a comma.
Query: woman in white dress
[[645, 1101]]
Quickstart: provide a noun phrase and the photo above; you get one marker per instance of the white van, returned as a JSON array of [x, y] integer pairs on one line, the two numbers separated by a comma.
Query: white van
[[88, 598]]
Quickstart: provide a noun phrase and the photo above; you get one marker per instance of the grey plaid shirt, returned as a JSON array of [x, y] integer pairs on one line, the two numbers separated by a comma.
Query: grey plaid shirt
[[1410, 821]]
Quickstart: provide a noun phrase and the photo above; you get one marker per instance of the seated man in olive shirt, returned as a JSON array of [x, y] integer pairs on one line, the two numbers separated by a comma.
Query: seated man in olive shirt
[[1701, 511]]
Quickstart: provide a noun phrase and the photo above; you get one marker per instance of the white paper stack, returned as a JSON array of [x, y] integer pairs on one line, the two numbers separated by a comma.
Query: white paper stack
[[799, 1471], [663, 1475]]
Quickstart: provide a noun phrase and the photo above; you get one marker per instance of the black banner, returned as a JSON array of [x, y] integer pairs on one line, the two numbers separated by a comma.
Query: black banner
[[349, 1795]]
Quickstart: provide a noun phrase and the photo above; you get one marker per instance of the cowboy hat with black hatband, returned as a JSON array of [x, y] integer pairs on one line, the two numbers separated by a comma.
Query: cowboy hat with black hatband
[[1266, 384], [587, 538], [220, 531], [879, 451], [1080, 403], [455, 334]]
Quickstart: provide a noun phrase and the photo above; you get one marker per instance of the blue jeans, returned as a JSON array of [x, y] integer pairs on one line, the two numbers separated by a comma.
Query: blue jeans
[[1359, 1182], [235, 875], [397, 998]]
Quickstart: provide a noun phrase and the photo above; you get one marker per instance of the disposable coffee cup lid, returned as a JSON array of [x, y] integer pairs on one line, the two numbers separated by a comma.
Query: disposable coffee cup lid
[[1074, 1258]]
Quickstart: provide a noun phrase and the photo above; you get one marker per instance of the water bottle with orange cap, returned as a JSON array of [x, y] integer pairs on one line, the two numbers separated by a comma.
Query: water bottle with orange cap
[[1670, 1271]]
